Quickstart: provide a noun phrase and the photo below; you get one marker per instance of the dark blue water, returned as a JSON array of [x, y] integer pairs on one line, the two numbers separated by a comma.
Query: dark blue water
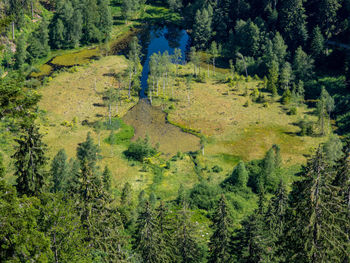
[[159, 40]]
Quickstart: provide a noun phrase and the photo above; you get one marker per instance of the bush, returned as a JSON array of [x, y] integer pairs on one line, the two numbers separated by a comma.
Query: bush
[[202, 78], [293, 111], [216, 169], [123, 136], [140, 149], [204, 196], [306, 127], [246, 104], [286, 97]]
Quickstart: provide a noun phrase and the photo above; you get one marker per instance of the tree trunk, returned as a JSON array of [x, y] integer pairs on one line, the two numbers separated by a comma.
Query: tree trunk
[[13, 30], [130, 78], [32, 8], [55, 247], [110, 114], [214, 65]]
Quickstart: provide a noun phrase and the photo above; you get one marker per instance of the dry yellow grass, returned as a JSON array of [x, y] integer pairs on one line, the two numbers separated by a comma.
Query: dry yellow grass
[[72, 96], [235, 131]]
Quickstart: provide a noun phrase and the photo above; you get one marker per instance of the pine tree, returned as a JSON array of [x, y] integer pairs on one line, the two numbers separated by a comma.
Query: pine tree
[[106, 21], [107, 179], [29, 161], [2, 167], [126, 208], [275, 219], [286, 76], [220, 240], [57, 34], [269, 171], [279, 48], [327, 16], [91, 185], [148, 241], [91, 19], [333, 149], [214, 53], [21, 51], [77, 28], [134, 62], [273, 78], [186, 241], [72, 185], [238, 179], [60, 222], [317, 43], [127, 9], [59, 170], [181, 196], [302, 65], [177, 58], [292, 21], [325, 106], [38, 46], [202, 29], [315, 230]]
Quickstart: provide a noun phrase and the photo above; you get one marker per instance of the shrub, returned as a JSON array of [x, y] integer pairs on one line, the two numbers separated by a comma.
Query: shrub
[[286, 97], [123, 136], [293, 111], [255, 95], [216, 169], [306, 127], [246, 104], [140, 149]]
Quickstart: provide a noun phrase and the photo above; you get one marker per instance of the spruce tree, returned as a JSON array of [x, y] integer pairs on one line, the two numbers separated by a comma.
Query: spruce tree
[[273, 78], [30, 161], [324, 106], [220, 240], [107, 179], [317, 43], [214, 53], [238, 179], [315, 231], [21, 51], [148, 240], [106, 20], [327, 16], [270, 179], [76, 28], [302, 65], [202, 29], [187, 245], [72, 185], [292, 22], [59, 170], [91, 185], [286, 76], [2, 166]]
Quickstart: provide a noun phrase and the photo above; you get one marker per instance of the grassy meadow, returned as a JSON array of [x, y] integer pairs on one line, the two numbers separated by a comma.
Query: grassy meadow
[[233, 131]]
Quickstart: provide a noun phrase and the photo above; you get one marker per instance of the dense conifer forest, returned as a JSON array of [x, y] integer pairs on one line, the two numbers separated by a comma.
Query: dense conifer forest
[[248, 158]]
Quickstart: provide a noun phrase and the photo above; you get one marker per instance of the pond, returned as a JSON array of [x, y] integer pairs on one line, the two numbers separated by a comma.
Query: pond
[[156, 40], [150, 120]]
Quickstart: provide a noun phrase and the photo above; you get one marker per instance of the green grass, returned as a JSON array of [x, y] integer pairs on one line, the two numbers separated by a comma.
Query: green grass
[[122, 136]]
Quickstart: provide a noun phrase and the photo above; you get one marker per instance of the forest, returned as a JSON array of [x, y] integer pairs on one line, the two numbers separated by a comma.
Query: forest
[[182, 131]]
